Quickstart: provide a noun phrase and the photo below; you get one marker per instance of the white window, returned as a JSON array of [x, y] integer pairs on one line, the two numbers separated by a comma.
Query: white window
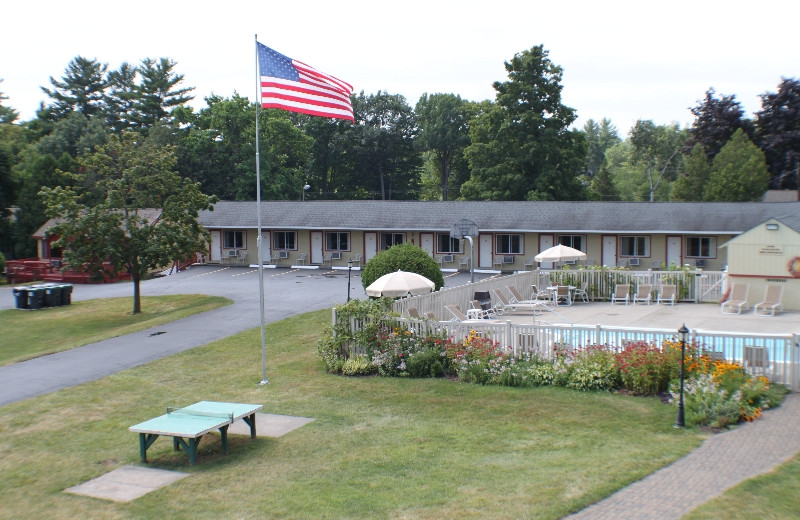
[[337, 241], [392, 239], [573, 241], [508, 244], [447, 244], [634, 246], [233, 240], [284, 240], [701, 247]]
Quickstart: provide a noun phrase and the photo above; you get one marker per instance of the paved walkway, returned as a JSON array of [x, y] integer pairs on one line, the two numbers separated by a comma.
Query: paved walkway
[[723, 461]]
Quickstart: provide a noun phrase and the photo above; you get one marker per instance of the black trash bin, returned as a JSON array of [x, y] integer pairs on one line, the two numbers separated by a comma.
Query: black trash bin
[[35, 297], [21, 295], [66, 294], [484, 299], [52, 295]]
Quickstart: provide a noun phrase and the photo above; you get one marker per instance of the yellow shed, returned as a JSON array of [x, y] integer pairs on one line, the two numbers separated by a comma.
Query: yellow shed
[[768, 254]]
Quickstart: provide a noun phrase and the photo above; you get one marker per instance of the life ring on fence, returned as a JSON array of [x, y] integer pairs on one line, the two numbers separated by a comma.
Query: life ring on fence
[[794, 267], [726, 295]]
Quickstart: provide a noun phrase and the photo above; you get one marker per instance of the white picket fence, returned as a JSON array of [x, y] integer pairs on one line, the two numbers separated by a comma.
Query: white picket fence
[[776, 356], [693, 286]]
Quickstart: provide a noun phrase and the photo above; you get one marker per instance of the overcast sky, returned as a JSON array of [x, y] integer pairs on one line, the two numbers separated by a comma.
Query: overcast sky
[[622, 60]]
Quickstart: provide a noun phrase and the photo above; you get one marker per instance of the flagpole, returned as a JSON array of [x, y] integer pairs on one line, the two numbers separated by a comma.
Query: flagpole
[[259, 237]]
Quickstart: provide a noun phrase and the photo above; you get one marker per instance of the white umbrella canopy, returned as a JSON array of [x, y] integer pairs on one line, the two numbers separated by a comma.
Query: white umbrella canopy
[[399, 284], [560, 253]]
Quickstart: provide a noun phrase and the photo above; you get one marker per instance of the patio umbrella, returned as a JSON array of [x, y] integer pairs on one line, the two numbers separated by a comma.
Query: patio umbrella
[[560, 253], [399, 284]]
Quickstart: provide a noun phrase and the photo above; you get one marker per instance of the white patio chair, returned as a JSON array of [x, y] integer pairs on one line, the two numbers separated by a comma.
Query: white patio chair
[[773, 296], [668, 295], [737, 300], [581, 293], [621, 293], [644, 294]]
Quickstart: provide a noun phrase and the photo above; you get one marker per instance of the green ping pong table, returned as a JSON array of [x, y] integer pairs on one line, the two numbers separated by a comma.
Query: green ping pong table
[[187, 425]]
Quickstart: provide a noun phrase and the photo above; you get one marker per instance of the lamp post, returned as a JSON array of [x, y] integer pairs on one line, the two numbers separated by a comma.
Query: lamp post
[[682, 333], [349, 270], [305, 189]]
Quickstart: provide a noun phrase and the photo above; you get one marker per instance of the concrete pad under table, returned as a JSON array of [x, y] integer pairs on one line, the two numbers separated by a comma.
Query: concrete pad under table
[[126, 483]]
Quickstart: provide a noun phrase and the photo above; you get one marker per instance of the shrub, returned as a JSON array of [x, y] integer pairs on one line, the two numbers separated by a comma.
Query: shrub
[[357, 366], [593, 368], [726, 395], [337, 342], [406, 257], [645, 369], [471, 358]]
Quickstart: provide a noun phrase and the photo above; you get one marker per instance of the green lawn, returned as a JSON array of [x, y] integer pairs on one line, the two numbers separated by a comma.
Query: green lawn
[[378, 448], [30, 334]]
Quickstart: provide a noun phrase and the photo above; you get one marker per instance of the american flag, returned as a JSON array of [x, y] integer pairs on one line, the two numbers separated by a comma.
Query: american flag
[[294, 86]]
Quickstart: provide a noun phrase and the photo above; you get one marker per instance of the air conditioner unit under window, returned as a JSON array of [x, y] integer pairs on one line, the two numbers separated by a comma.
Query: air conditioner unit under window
[[283, 254], [336, 256], [570, 262], [447, 258], [508, 259], [633, 261], [700, 263]]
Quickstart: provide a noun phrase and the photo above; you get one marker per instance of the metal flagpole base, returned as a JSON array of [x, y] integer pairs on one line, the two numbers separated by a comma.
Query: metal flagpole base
[[264, 382]]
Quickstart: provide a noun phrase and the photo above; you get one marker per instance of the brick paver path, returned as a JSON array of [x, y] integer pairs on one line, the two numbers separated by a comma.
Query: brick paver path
[[721, 462]]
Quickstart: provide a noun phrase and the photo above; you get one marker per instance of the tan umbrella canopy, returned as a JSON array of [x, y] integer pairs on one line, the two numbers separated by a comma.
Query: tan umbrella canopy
[[399, 284], [560, 253]]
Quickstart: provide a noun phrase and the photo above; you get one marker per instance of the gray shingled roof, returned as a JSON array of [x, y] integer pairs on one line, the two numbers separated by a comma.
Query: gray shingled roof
[[149, 214], [578, 217]]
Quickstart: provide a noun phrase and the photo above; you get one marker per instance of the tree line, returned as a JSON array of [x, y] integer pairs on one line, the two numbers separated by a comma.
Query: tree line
[[520, 146]]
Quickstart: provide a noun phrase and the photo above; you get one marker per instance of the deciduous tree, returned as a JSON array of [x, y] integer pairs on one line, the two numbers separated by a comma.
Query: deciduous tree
[[137, 215], [738, 173], [715, 121], [778, 133], [444, 133], [690, 184]]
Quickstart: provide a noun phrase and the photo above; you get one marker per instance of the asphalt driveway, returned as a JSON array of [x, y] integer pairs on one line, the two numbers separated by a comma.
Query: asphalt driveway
[[287, 292]]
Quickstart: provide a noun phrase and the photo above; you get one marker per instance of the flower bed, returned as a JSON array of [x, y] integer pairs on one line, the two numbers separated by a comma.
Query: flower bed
[[716, 393]]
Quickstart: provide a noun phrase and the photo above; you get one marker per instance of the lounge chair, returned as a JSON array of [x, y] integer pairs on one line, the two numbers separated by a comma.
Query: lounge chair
[[773, 296], [504, 305], [301, 259], [357, 261], [516, 297], [456, 312], [477, 311], [644, 294], [622, 293], [430, 316], [737, 301], [582, 293], [668, 295], [413, 313]]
